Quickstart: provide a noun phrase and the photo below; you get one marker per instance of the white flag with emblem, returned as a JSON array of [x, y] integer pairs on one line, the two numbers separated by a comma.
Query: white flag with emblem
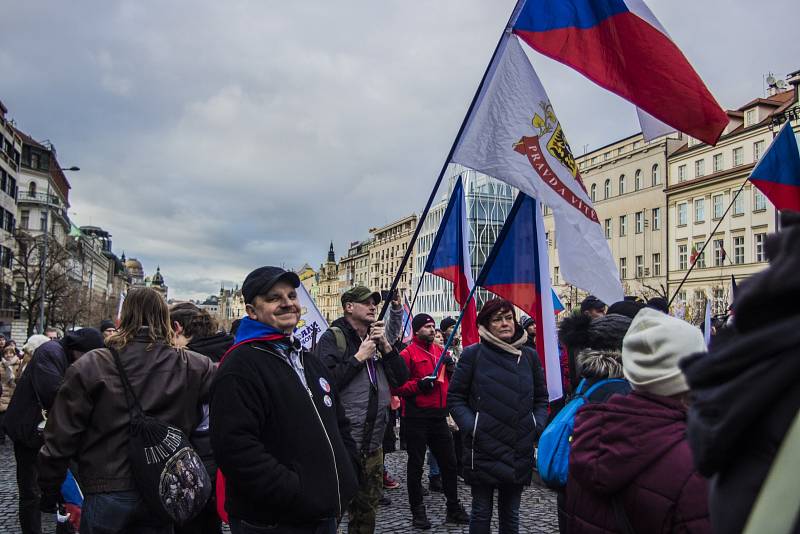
[[513, 135], [312, 324]]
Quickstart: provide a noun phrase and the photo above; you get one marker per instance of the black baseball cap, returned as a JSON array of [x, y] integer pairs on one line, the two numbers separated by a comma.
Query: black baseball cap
[[262, 279]]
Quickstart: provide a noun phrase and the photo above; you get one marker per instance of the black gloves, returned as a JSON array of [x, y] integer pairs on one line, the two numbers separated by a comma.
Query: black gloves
[[49, 500], [425, 384]]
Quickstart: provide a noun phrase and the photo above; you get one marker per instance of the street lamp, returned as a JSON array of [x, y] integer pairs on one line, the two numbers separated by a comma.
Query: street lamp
[[44, 248]]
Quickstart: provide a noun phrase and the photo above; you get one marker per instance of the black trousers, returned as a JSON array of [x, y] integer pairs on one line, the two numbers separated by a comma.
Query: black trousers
[[30, 517], [422, 432]]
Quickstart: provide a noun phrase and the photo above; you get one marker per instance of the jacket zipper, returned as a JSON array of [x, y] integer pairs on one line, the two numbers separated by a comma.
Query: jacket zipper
[[534, 421], [330, 444], [474, 430], [324, 430]]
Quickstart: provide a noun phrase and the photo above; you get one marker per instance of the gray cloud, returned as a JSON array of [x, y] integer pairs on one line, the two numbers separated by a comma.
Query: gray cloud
[[218, 136]]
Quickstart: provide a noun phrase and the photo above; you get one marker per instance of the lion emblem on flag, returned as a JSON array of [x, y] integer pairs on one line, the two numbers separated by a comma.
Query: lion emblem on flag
[[557, 146]]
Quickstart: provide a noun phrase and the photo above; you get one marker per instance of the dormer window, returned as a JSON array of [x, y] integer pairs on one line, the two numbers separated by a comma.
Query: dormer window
[[750, 117]]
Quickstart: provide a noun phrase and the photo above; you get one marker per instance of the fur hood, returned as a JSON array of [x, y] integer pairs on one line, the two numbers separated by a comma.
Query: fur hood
[[600, 363]]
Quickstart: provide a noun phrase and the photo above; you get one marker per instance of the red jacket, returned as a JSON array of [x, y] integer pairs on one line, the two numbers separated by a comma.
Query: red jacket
[[633, 448], [421, 361]]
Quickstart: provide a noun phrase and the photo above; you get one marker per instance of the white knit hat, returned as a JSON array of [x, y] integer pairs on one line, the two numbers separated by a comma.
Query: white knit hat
[[652, 348]]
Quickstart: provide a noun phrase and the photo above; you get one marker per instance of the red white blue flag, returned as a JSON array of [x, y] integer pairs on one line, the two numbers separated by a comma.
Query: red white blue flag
[[517, 269], [514, 135], [449, 258], [621, 46], [777, 174], [407, 318]]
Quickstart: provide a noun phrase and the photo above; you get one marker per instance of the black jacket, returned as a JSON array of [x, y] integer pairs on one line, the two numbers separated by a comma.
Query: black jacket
[[213, 346], [39, 382], [286, 451], [499, 402]]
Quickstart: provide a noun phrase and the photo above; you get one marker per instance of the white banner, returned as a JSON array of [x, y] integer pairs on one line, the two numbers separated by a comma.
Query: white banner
[[312, 324], [513, 135]]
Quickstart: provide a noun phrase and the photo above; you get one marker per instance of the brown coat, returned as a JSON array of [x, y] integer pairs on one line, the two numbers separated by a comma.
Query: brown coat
[[89, 418]]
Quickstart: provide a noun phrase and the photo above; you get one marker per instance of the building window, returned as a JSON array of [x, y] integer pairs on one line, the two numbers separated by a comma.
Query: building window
[[682, 215], [759, 200], [639, 222], [681, 173], [32, 190], [656, 264], [738, 156], [639, 266], [555, 276], [738, 249], [607, 224], [718, 162], [623, 225], [759, 239], [43, 221], [623, 268], [758, 150], [607, 189], [749, 117], [738, 205], [719, 301], [637, 180], [24, 219], [682, 257], [656, 218], [699, 168], [697, 258], [655, 175], [621, 184], [717, 202], [594, 192], [719, 252], [699, 210]]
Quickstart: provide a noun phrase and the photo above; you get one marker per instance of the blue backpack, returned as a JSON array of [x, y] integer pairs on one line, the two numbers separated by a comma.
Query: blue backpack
[[552, 459]]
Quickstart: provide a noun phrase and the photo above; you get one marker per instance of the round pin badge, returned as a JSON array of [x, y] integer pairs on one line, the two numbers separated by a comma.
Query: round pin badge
[[324, 385], [327, 400]]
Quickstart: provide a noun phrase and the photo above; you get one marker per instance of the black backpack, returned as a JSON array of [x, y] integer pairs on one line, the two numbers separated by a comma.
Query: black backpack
[[168, 473]]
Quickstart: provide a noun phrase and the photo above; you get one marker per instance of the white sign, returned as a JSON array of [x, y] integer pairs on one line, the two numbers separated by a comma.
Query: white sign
[[312, 324]]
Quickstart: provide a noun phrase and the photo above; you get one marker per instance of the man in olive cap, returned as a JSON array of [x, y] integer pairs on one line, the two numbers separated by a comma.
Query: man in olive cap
[[364, 365]]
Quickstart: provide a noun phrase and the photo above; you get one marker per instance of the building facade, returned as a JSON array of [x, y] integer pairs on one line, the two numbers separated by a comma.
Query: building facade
[[703, 181], [386, 250], [10, 159], [488, 203], [354, 267], [625, 180], [328, 297]]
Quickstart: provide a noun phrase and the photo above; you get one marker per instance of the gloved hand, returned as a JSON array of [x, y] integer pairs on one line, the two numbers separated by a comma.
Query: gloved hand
[[425, 384], [49, 500]]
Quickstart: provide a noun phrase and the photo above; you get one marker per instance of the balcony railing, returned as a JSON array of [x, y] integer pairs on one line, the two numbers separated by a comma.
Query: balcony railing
[[51, 199]]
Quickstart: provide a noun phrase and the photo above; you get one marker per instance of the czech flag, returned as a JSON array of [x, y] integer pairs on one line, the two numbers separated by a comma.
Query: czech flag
[[449, 259], [621, 46], [518, 270], [777, 174], [407, 318]]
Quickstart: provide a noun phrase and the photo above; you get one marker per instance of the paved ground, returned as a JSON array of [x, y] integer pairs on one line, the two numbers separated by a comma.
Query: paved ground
[[537, 513]]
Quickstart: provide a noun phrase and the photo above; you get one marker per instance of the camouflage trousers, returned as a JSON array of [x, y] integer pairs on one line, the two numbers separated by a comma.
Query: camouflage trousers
[[364, 506]]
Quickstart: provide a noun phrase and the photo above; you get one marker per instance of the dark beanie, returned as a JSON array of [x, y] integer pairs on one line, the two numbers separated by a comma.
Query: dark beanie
[[603, 333], [446, 323], [420, 320], [105, 325], [658, 303], [628, 308], [83, 340]]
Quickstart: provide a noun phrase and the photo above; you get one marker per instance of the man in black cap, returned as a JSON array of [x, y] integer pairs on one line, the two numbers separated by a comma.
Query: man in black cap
[[35, 392], [278, 429], [447, 326], [593, 307], [107, 328], [424, 403], [364, 365]]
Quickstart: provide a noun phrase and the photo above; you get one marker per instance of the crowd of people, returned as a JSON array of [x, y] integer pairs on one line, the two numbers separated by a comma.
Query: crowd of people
[[672, 436]]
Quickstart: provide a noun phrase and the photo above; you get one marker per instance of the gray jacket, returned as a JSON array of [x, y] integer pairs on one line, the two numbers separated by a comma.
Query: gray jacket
[[351, 378]]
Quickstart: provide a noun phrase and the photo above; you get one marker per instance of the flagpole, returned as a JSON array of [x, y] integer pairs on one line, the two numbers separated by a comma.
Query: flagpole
[[413, 301], [453, 333], [449, 157], [703, 248]]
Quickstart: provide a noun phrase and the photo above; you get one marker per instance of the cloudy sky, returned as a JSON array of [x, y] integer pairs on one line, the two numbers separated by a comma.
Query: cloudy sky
[[214, 137]]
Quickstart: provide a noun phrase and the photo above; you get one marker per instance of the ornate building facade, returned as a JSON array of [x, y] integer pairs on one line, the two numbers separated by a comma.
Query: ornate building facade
[[386, 250], [328, 295]]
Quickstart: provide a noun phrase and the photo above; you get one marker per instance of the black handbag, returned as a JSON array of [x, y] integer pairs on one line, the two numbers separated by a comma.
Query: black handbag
[[168, 473]]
